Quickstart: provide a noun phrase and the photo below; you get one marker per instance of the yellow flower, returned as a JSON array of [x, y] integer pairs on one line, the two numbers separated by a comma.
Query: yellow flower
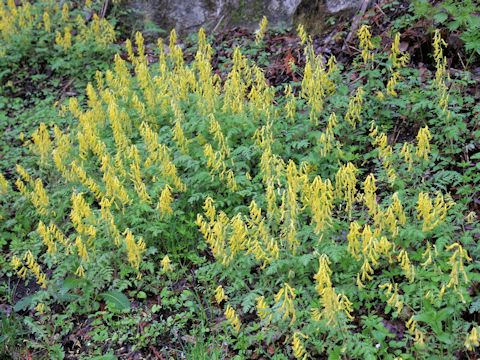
[[302, 34], [407, 268], [473, 339], [233, 318], [135, 249], [423, 139], [165, 202], [166, 264], [353, 239], [220, 295], [284, 300], [393, 298], [322, 277], [263, 311], [432, 215], [46, 21], [457, 263], [321, 203], [398, 58], [418, 335], [391, 84], [41, 307], [298, 347], [366, 44], [34, 267], [261, 30], [3, 185], [471, 217], [346, 185], [353, 115], [80, 272]]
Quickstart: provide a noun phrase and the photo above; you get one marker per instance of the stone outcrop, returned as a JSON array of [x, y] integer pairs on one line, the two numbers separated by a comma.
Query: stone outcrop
[[189, 15]]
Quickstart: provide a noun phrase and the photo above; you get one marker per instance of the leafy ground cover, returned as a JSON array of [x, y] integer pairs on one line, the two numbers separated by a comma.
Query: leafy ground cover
[[244, 196]]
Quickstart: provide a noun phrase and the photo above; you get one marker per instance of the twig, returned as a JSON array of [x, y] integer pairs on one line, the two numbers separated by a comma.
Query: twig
[[464, 67], [355, 23], [104, 9], [218, 23]]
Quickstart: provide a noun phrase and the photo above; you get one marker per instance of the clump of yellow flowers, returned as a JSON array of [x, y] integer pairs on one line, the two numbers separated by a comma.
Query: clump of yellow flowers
[[138, 155]]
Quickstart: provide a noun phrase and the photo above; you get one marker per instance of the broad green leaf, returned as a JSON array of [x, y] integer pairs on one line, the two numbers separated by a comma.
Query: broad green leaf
[[116, 300]]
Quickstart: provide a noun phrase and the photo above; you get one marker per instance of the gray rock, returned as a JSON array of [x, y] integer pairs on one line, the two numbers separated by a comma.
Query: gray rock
[[189, 15]]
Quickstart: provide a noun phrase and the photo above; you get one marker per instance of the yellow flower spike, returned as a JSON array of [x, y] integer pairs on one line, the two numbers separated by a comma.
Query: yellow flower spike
[[432, 215], [398, 58], [263, 311], [366, 271], [441, 71], [80, 272], [238, 237], [291, 103], [4, 187], [284, 300], [165, 202], [407, 268], [42, 145], [81, 248], [260, 34], [139, 41], [394, 299], [321, 203], [209, 209], [135, 249], [82, 216], [65, 12], [427, 255], [390, 221], [46, 22], [418, 335], [216, 131], [255, 213], [40, 199], [384, 247], [34, 267], [423, 146], [302, 34], [16, 262], [457, 263], [233, 319], [366, 44], [40, 308], [370, 196], [398, 209], [47, 239], [473, 339], [392, 82], [166, 264], [299, 351], [346, 185], [333, 305], [220, 295], [87, 181], [353, 239], [353, 115], [322, 277], [57, 234], [470, 218]]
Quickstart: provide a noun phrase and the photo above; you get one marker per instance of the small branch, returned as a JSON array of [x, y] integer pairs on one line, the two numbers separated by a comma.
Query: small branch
[[355, 23], [218, 23], [104, 9]]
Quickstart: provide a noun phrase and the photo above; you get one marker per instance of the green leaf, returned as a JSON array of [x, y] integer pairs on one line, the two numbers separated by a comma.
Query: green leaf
[[116, 300], [23, 303], [441, 17]]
